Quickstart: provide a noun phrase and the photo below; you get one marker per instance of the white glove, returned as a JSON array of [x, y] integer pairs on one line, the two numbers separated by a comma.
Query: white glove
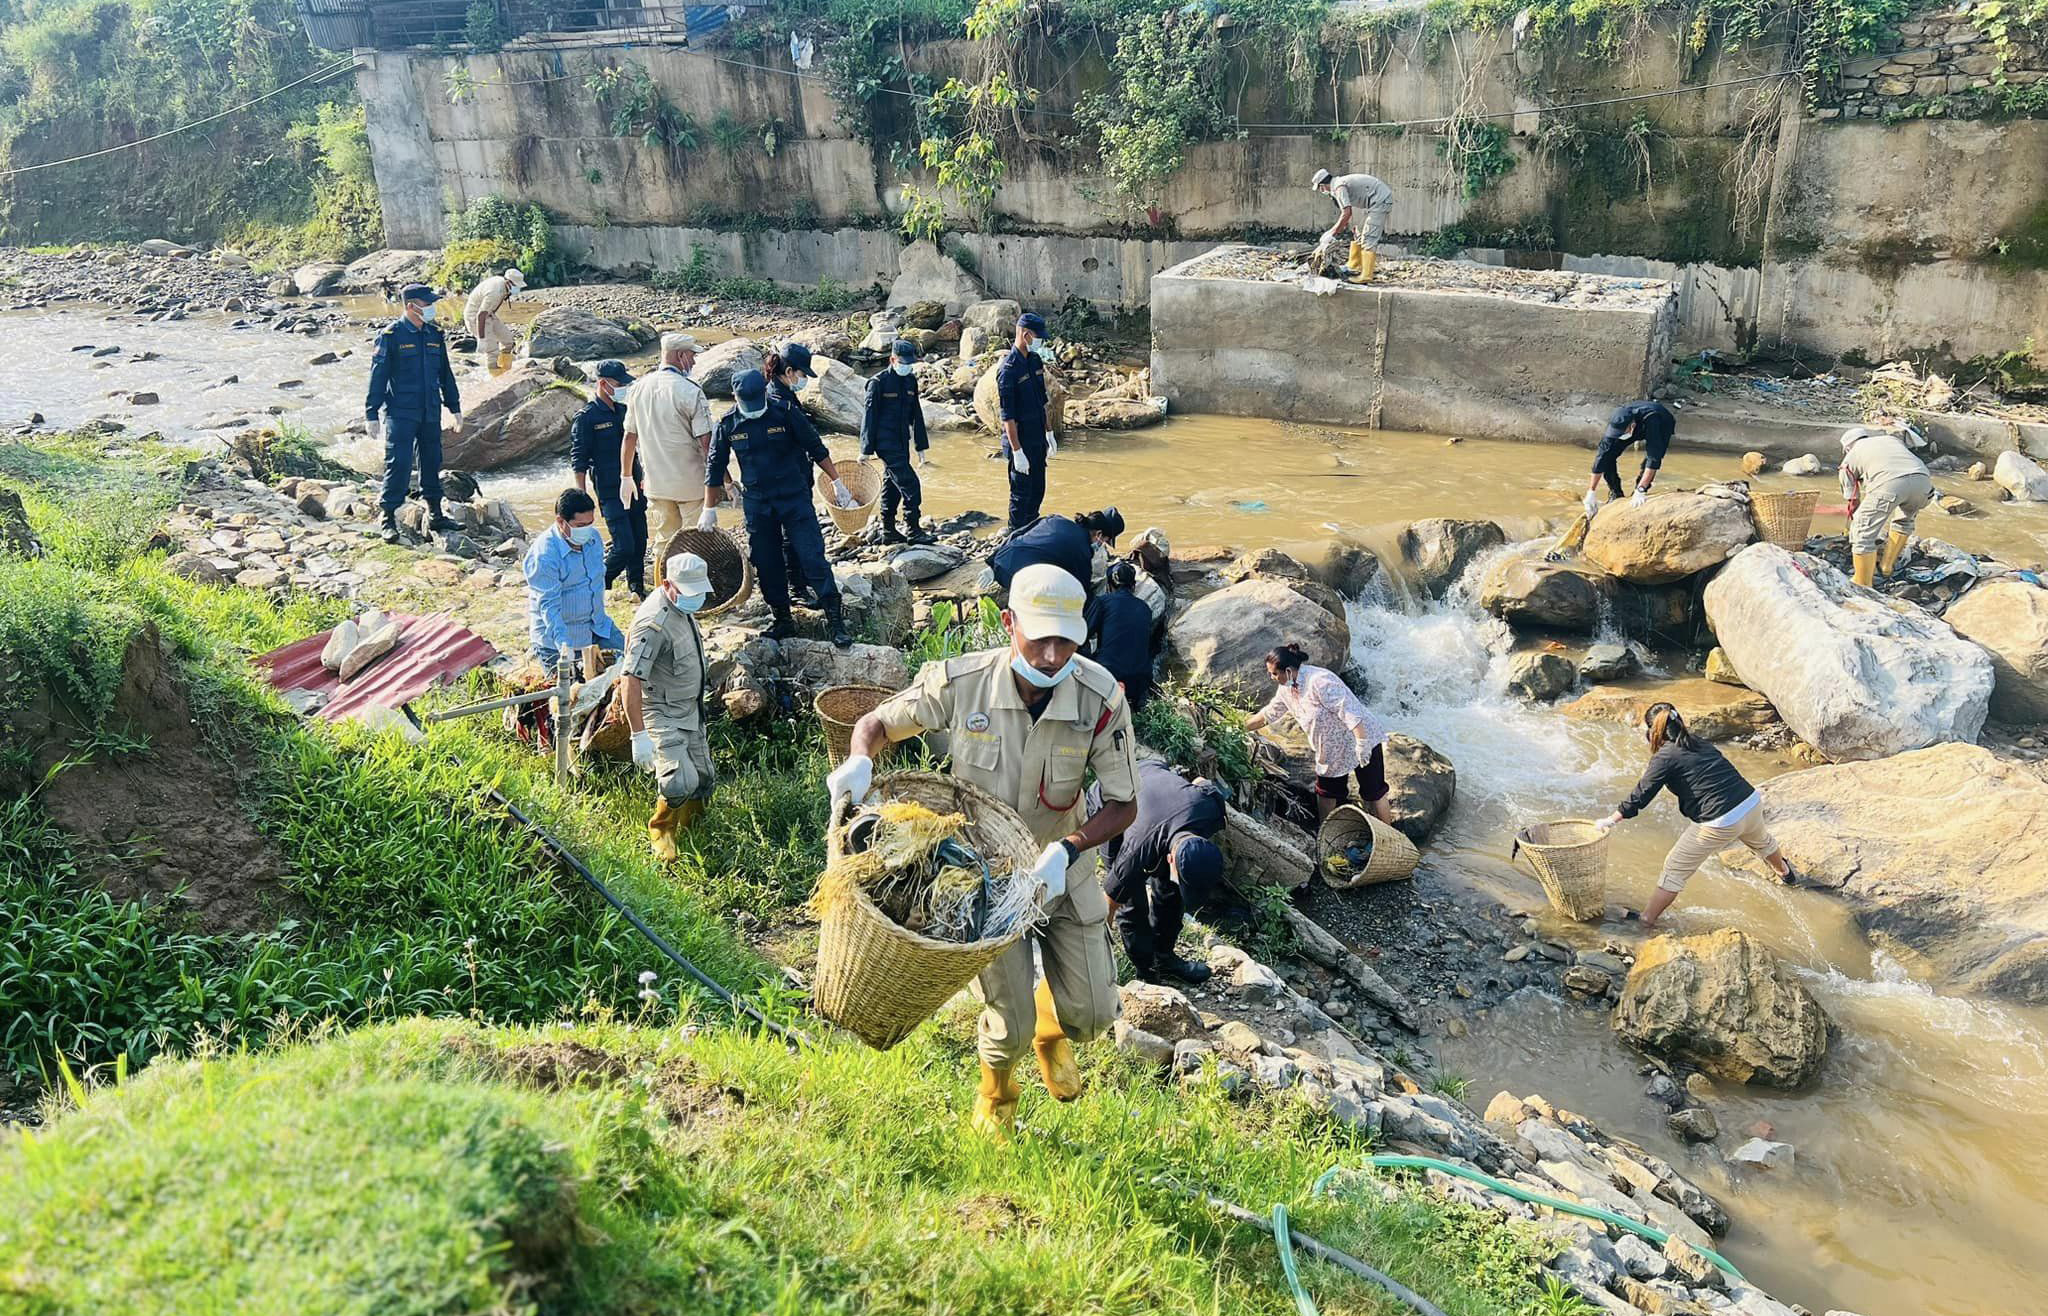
[[1639, 498], [850, 780], [643, 750], [923, 458], [1052, 445], [629, 492], [455, 422], [1020, 462], [1592, 504], [841, 494], [708, 521], [1607, 824], [1051, 869]]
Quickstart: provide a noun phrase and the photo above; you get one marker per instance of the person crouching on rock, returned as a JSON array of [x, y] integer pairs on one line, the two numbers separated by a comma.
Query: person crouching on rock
[[663, 682], [1342, 732], [1721, 804], [1166, 863]]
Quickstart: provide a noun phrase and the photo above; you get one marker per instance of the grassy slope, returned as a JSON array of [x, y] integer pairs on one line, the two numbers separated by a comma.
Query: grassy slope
[[395, 1167]]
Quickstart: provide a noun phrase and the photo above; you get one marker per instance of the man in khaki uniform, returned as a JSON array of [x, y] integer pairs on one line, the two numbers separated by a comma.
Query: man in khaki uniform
[[1886, 487], [663, 683], [480, 314], [1027, 723], [668, 427]]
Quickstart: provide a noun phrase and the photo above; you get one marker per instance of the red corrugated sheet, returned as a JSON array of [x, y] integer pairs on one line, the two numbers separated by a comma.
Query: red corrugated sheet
[[430, 651]]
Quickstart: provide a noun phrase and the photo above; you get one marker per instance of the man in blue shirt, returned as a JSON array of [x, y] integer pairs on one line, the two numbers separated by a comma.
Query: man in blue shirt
[[1120, 634], [564, 569], [410, 381], [1027, 435], [1165, 863], [776, 447], [892, 420], [594, 443]]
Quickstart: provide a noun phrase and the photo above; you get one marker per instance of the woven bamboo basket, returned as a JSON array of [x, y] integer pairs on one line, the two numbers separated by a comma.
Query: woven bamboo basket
[[1570, 859], [1391, 856], [879, 980], [864, 482], [731, 571], [839, 707], [1784, 518]]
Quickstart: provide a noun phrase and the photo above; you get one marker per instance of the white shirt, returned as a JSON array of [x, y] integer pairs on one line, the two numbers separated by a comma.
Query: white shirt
[[1738, 813], [670, 413], [1341, 731]]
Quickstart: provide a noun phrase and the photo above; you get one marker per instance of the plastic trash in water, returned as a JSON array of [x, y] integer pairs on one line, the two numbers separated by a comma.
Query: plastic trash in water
[[1249, 504], [2031, 577]]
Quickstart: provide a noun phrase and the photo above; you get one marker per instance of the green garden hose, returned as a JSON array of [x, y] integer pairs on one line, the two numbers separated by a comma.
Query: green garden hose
[[1283, 1238]]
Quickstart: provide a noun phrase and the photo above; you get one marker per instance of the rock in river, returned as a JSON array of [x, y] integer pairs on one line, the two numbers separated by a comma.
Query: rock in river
[[1529, 592], [2009, 617], [987, 410], [582, 335], [2022, 477], [1853, 674], [1713, 711], [837, 398], [1223, 638], [1421, 784], [1438, 550], [718, 364], [1944, 849], [1724, 1003], [1541, 676], [1669, 537], [511, 417]]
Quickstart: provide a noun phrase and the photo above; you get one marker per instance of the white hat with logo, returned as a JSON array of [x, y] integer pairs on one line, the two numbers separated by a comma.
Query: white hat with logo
[[1047, 602]]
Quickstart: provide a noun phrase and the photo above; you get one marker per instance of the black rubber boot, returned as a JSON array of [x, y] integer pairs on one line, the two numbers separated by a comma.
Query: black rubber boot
[[921, 533], [784, 626], [388, 529], [1192, 972], [890, 534], [436, 521], [842, 638]]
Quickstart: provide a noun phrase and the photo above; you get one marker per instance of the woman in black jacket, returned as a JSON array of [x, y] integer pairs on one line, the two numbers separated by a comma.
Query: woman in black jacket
[[1722, 806]]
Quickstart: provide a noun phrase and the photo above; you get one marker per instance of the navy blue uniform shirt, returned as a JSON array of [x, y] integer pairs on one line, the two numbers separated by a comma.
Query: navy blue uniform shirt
[[410, 375], [594, 442], [776, 451], [1020, 394], [893, 418]]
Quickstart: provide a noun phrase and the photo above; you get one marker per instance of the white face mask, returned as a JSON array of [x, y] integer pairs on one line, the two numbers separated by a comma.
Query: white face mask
[[583, 536], [904, 367], [1037, 678], [754, 413]]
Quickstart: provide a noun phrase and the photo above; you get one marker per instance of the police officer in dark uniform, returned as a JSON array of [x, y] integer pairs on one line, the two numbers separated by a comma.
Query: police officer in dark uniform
[[1027, 435], [894, 418], [1163, 864], [776, 447], [785, 368], [1120, 634], [594, 443], [410, 381]]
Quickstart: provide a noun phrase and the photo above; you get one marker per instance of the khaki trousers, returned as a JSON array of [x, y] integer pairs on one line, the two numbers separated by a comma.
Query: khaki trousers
[[492, 337], [1893, 505], [1701, 843], [682, 762], [666, 516], [1078, 968]]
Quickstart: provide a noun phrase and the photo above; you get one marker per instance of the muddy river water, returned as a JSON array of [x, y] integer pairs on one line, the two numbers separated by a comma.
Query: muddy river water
[[1922, 1154]]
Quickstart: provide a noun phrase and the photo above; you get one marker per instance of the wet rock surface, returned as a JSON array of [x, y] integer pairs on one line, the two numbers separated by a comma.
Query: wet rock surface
[[1723, 1002], [1669, 537]]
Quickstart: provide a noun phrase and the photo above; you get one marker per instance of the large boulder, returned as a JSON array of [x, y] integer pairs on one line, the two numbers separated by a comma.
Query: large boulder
[[1265, 852], [521, 413], [825, 340], [2009, 618], [995, 317], [1540, 675], [1222, 639], [1438, 550], [1100, 413], [1712, 710], [1856, 676], [1943, 849], [1525, 591], [318, 278], [926, 274], [1344, 565], [877, 601], [2021, 476], [1669, 537], [988, 410], [837, 398], [719, 364], [578, 334], [1724, 1003], [392, 267], [1421, 784]]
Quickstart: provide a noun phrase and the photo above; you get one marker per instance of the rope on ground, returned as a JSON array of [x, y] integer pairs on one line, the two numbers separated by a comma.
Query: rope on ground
[[315, 76], [1520, 1194], [582, 870]]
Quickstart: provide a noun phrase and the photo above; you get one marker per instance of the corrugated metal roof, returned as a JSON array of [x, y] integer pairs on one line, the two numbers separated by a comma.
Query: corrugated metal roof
[[431, 651]]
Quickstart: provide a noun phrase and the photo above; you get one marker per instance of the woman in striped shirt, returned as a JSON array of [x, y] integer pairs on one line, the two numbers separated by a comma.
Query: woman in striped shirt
[[1343, 733]]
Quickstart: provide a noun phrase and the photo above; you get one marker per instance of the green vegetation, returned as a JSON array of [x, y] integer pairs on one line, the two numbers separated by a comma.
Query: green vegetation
[[77, 76], [1200, 728], [698, 279], [493, 234], [952, 632], [1168, 96]]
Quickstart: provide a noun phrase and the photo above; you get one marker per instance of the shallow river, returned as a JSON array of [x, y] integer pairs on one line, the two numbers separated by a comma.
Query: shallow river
[[1923, 1150]]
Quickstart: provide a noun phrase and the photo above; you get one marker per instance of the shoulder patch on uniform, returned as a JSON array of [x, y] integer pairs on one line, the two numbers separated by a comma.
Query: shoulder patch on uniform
[[968, 663], [1094, 677]]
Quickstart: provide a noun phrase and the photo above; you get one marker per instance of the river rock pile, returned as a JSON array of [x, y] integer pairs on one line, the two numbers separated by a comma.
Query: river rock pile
[[156, 279]]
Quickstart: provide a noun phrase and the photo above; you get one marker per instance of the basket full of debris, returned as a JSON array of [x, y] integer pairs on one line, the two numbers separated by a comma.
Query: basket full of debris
[[925, 884], [1357, 849]]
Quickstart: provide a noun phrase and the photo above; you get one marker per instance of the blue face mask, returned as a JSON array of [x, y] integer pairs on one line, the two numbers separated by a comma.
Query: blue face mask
[[1037, 678], [904, 367], [583, 536], [688, 602], [427, 313], [754, 413], [1043, 348]]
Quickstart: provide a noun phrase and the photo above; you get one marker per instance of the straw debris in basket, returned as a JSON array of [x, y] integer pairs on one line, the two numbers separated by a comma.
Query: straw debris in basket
[[913, 865]]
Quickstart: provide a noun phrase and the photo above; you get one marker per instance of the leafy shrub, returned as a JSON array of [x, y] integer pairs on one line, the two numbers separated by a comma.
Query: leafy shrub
[[467, 262], [525, 232]]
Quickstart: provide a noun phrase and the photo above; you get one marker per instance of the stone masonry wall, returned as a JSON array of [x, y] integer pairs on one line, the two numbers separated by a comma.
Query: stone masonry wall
[[1936, 56]]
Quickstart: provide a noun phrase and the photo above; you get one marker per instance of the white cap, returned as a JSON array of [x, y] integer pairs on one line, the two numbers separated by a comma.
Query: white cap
[[679, 343], [515, 278], [689, 574], [1047, 602]]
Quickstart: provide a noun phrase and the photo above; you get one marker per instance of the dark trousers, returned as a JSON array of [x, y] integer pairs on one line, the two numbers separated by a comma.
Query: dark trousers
[[407, 437], [1027, 492], [769, 521], [628, 549], [792, 564], [900, 487], [1137, 690], [1148, 918]]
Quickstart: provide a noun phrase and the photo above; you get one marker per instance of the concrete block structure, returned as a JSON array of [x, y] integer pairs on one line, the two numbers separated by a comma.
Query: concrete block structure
[[1436, 346]]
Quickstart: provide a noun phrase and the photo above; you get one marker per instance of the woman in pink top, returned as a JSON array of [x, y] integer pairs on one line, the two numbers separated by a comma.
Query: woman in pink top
[[1344, 734]]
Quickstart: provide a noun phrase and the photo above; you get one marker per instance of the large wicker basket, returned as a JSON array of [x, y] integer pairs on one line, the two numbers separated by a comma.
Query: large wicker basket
[[864, 482], [1784, 518], [1570, 859], [731, 570], [1349, 828], [839, 707], [878, 980]]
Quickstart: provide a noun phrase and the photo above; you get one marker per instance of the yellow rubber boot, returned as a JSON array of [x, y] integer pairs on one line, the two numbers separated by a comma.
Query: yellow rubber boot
[[1357, 260], [661, 829], [1894, 549], [1369, 261], [1865, 573], [995, 1104], [1055, 1053], [689, 813]]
